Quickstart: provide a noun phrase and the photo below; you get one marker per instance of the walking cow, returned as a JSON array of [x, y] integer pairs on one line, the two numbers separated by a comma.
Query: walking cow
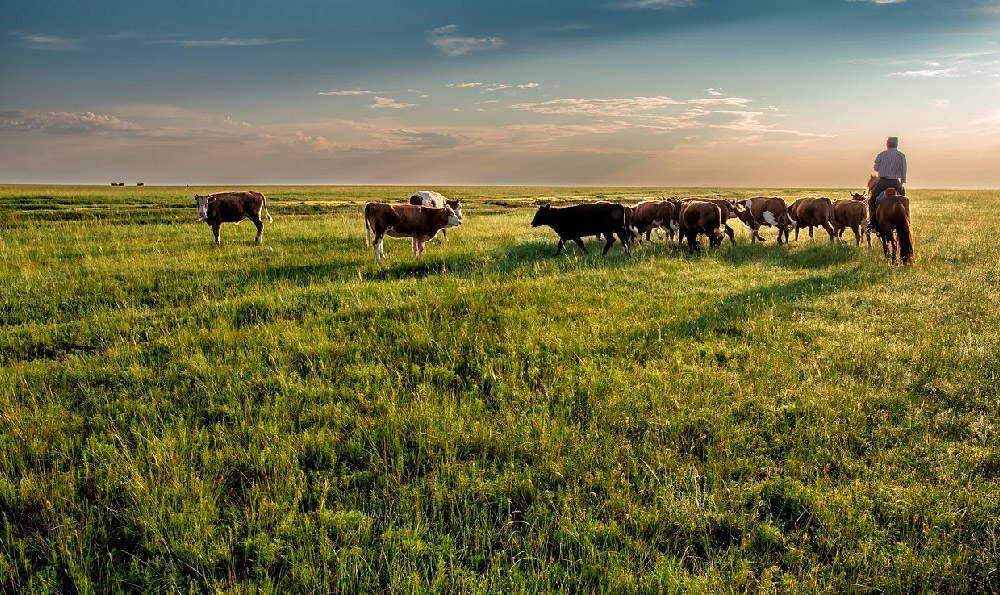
[[232, 207], [577, 222]]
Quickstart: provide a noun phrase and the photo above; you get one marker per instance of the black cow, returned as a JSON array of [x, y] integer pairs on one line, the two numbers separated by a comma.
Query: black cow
[[575, 223]]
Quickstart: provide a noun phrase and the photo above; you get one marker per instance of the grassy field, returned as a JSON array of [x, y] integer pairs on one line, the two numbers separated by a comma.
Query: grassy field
[[176, 417]]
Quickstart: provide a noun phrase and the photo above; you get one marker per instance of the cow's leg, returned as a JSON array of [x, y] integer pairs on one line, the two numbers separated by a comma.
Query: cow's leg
[[444, 234], [559, 247], [623, 236], [579, 242], [420, 247], [829, 230], [260, 229], [217, 230], [857, 235], [868, 237], [730, 233], [413, 245], [796, 234], [611, 240], [379, 238]]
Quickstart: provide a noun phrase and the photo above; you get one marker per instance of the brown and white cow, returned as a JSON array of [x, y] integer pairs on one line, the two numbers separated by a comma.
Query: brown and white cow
[[699, 216], [762, 210], [653, 214], [429, 198], [852, 214], [232, 207], [812, 211], [405, 221]]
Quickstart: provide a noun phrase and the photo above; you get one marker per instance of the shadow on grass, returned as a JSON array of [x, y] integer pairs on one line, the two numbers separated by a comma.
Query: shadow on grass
[[814, 255], [729, 316]]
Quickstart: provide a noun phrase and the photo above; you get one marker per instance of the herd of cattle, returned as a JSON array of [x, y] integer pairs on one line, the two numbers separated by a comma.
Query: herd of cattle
[[429, 212]]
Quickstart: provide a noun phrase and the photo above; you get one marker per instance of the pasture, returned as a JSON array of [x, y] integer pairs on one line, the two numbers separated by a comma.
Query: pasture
[[750, 419]]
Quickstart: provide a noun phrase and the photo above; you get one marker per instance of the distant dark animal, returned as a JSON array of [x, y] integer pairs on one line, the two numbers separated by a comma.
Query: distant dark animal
[[893, 216], [728, 212], [140, 184], [762, 210], [812, 211], [852, 214], [232, 207], [653, 214], [429, 198], [577, 222], [405, 221], [699, 216]]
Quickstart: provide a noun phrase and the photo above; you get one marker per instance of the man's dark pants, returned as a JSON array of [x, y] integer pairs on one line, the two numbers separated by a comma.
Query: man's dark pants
[[879, 188]]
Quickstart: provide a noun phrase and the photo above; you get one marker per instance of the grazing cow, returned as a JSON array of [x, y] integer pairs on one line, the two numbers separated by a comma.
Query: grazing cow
[[575, 223], [762, 210], [232, 207], [429, 198], [852, 214], [812, 211], [699, 216], [728, 212], [653, 214], [405, 221]]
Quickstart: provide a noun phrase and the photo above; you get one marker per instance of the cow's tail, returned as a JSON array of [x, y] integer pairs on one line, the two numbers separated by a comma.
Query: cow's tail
[[368, 227], [905, 235], [263, 204]]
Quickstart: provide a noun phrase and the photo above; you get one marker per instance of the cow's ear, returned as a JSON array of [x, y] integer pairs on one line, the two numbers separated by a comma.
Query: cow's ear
[[547, 206]]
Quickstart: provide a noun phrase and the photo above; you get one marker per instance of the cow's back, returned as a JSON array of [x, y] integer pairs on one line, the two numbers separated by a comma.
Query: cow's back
[[428, 198], [588, 219]]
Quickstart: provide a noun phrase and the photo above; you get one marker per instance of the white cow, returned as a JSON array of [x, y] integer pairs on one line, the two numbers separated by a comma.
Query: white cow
[[429, 198]]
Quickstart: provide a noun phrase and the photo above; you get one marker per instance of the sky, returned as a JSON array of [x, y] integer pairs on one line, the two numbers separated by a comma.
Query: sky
[[731, 93]]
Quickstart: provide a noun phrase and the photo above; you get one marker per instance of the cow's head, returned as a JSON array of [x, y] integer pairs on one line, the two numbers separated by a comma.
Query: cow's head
[[743, 213], [454, 219], [856, 196], [542, 215], [455, 205], [202, 201]]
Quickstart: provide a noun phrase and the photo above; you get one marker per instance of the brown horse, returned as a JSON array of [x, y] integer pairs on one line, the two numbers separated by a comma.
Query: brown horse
[[893, 216]]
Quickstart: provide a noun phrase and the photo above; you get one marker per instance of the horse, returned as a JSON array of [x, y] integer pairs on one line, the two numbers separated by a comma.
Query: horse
[[893, 216]]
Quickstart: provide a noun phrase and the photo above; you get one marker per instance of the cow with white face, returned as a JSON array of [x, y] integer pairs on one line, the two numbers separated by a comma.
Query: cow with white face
[[405, 221], [429, 198], [232, 207]]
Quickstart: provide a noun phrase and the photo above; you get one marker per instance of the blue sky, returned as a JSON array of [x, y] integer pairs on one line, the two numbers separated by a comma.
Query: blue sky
[[623, 92]]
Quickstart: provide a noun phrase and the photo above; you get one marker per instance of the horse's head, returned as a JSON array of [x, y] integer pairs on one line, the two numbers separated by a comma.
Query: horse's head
[[872, 179]]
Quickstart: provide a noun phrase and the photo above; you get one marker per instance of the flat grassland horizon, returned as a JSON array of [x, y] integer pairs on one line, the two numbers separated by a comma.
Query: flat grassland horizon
[[753, 418]]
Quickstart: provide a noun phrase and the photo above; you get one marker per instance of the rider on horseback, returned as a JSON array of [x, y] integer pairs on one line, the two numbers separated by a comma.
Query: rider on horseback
[[890, 166]]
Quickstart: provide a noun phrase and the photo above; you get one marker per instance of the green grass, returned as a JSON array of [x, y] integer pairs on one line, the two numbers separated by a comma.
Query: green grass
[[754, 418]]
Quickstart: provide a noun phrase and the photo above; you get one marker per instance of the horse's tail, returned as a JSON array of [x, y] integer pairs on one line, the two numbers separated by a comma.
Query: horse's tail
[[905, 236]]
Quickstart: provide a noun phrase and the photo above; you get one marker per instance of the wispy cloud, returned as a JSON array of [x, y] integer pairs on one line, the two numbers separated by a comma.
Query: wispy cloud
[[466, 85], [653, 4], [226, 42], [952, 66], [381, 102], [620, 107], [879, 1], [50, 42], [444, 39], [347, 93], [63, 122], [528, 86]]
